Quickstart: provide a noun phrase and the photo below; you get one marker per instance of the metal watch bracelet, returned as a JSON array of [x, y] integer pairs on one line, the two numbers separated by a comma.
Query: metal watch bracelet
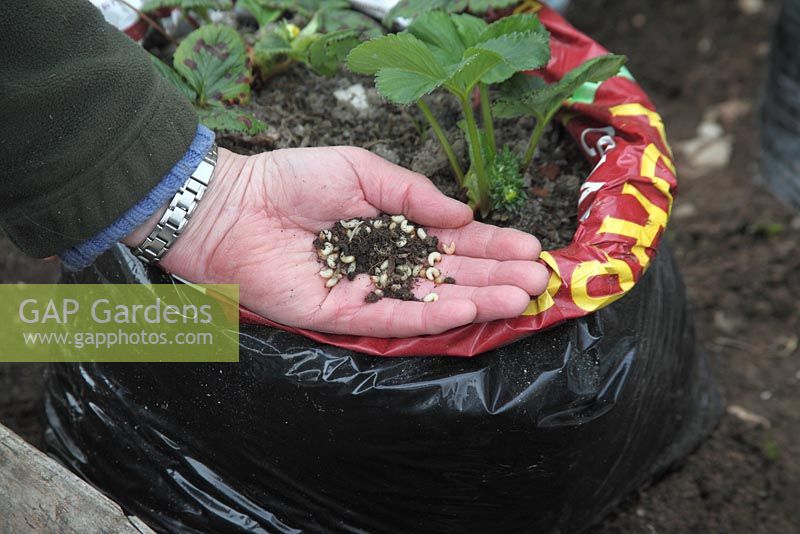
[[180, 210]]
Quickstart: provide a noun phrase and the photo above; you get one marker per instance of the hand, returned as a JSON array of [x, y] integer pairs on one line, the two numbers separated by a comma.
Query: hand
[[256, 224]]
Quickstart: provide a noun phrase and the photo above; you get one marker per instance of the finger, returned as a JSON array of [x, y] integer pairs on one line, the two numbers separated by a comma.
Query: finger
[[395, 190], [398, 318], [478, 272], [491, 303], [479, 240]]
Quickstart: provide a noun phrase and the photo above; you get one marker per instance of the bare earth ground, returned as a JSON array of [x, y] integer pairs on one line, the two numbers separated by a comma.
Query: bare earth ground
[[738, 250]]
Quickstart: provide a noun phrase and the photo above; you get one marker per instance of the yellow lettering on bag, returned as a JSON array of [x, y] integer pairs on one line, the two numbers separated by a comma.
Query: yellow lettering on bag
[[588, 270], [545, 301], [633, 110], [657, 218]]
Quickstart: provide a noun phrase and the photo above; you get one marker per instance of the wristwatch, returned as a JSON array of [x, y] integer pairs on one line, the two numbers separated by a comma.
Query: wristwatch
[[180, 210]]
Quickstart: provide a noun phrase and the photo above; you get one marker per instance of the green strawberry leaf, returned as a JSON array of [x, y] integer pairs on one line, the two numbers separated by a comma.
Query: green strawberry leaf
[[261, 11], [520, 51], [213, 62], [403, 86], [469, 29], [519, 23], [169, 73], [482, 6], [411, 9], [185, 5], [400, 51], [328, 51], [437, 30], [542, 101], [339, 19], [520, 85], [230, 120]]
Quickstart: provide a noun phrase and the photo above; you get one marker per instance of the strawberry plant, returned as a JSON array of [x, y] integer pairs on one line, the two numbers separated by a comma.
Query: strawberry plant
[[198, 7], [411, 9], [211, 69], [333, 15], [287, 44], [462, 54]]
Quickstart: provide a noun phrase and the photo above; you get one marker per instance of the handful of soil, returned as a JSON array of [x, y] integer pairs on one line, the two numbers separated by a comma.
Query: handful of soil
[[389, 248]]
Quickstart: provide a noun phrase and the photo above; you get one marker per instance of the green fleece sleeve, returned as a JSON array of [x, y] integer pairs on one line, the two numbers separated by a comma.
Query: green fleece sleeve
[[87, 126]]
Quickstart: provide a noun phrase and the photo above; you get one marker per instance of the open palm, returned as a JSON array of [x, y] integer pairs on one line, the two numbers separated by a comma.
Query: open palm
[[256, 225]]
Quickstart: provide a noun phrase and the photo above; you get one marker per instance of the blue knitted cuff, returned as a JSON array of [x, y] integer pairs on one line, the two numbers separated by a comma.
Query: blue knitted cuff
[[83, 255]]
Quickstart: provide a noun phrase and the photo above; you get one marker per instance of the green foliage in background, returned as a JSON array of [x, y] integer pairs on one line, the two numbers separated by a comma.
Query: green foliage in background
[[210, 68]]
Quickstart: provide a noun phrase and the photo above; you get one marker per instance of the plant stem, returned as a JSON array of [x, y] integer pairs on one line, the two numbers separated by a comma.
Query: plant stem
[[486, 111], [476, 155], [538, 130], [448, 149]]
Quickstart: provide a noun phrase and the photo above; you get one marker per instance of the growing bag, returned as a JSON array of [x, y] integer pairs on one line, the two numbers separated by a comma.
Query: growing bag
[[544, 432]]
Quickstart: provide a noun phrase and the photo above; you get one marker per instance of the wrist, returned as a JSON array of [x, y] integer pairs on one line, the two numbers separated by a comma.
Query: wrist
[[191, 253], [137, 237], [178, 214]]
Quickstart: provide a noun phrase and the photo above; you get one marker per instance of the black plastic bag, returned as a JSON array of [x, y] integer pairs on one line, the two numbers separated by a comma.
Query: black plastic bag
[[780, 118], [546, 434]]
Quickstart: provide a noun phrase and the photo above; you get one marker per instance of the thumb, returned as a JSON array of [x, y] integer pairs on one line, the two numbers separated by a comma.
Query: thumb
[[395, 190]]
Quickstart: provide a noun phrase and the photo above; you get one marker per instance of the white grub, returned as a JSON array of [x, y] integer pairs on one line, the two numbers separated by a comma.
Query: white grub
[[367, 229], [416, 270], [332, 260], [433, 257], [431, 273], [374, 279], [326, 273], [398, 218], [401, 242], [347, 259], [378, 224], [383, 280], [349, 235], [326, 250], [421, 233], [449, 249], [352, 223], [396, 287], [351, 268], [439, 280], [430, 297], [404, 271], [392, 225], [407, 228], [378, 292], [332, 282], [385, 265]]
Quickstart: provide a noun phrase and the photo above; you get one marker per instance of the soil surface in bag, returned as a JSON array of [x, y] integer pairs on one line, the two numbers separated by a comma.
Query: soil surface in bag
[[358, 116], [546, 434]]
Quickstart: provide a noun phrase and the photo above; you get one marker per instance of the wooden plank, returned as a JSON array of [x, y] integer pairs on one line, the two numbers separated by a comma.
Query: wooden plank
[[37, 494]]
